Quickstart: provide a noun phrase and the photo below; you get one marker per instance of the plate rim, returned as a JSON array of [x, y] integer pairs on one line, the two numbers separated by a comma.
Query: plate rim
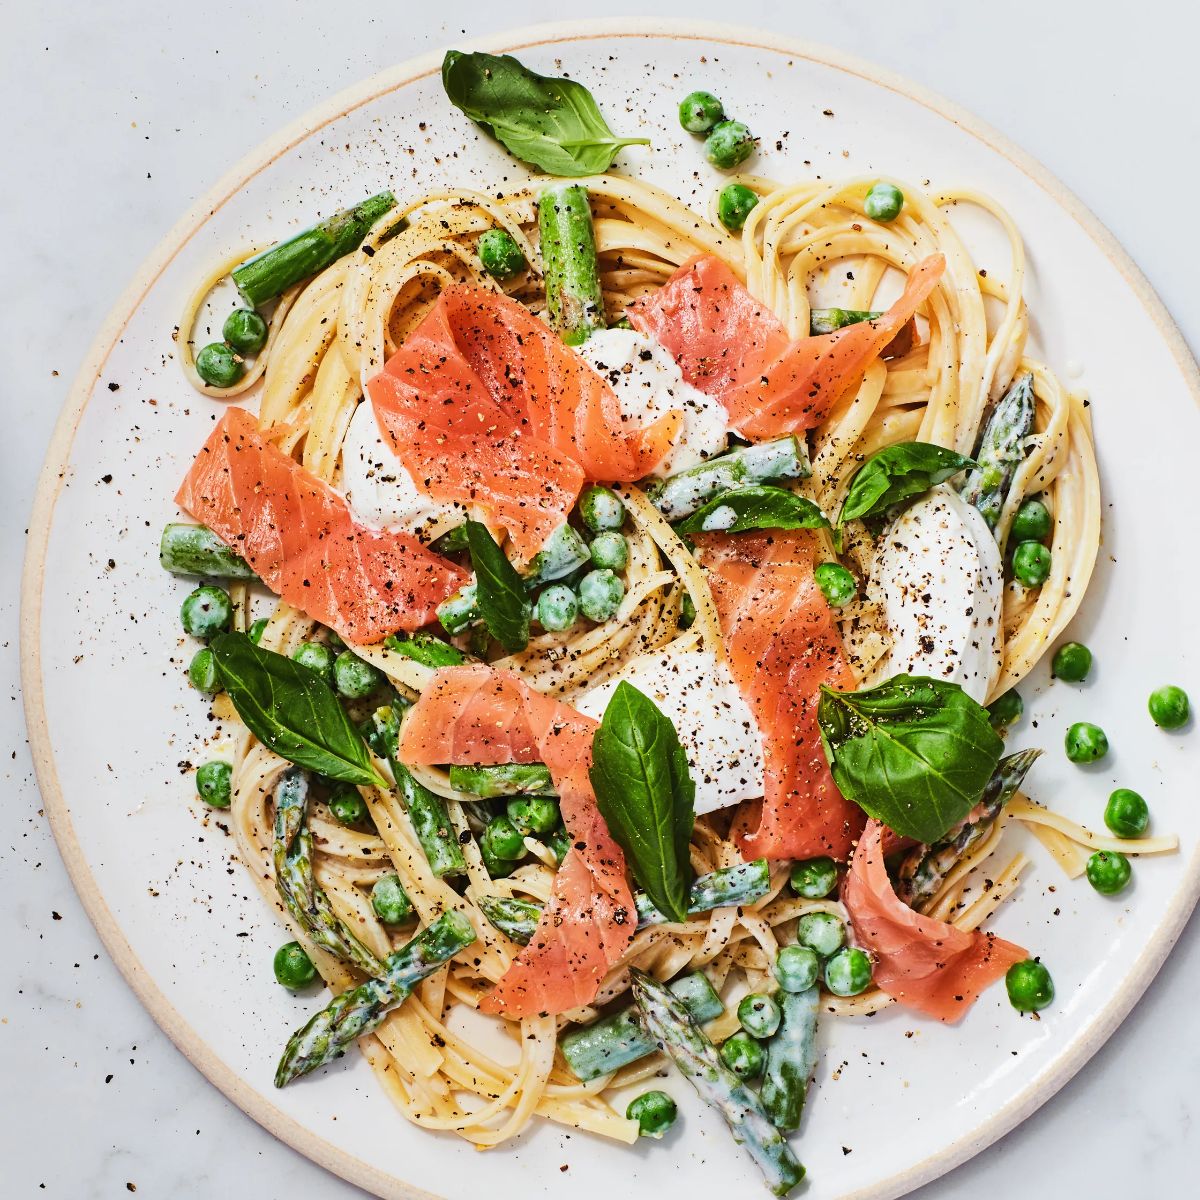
[[247, 1098]]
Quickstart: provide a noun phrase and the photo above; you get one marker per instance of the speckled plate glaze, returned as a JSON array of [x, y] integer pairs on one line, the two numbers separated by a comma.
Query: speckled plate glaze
[[113, 724]]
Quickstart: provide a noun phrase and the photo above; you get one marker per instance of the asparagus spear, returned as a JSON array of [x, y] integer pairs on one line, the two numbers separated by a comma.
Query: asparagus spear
[[669, 1023], [272, 272], [196, 550], [426, 649], [924, 867], [680, 495], [295, 883], [791, 1059], [618, 1040], [571, 271], [506, 779], [362, 1009], [1001, 450], [516, 919]]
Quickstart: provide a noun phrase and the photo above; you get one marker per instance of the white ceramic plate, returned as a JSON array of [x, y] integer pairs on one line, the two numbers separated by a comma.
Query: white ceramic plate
[[899, 1099]]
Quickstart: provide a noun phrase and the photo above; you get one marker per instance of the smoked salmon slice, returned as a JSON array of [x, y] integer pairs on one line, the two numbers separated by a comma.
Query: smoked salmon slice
[[480, 716], [484, 404], [919, 961], [783, 644], [732, 346], [298, 535]]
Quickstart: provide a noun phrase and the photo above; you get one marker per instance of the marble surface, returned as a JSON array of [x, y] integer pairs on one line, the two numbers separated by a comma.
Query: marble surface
[[117, 116]]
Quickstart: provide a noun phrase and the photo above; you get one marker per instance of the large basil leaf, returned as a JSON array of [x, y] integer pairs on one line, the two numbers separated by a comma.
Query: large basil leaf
[[915, 753], [552, 123], [646, 796], [757, 507], [292, 710], [896, 474], [503, 601]]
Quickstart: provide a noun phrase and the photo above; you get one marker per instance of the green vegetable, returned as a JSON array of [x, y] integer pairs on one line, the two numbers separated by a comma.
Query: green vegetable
[[552, 123], [797, 968], [533, 814], [821, 932], [503, 601], [654, 1112], [1001, 451], [728, 144], [1031, 523], [499, 254], [390, 901], [896, 474], [202, 672], [218, 366], [557, 608], [1031, 563], [743, 1055], [503, 779], [740, 884], [1072, 662], [245, 331], [196, 550], [563, 553], [848, 972], [516, 919], [501, 839], [791, 1060], [1029, 986], [453, 541], [206, 612], [255, 631], [814, 878], [497, 868], [1085, 742], [559, 842], [646, 795], [759, 1015], [213, 781], [354, 678], [570, 268], [837, 585], [292, 711], [600, 595], [1126, 813], [1109, 872], [830, 320], [316, 657], [915, 753], [700, 111], [754, 507], [601, 509], [1006, 709], [348, 807], [610, 551], [428, 650], [1169, 707], [293, 968], [734, 205], [272, 272], [884, 202], [687, 612]]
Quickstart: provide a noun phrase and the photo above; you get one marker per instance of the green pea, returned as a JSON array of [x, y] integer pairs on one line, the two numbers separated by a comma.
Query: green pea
[[557, 607], [202, 672], [1085, 742], [836, 583], [497, 868], [822, 931], [348, 807], [1109, 872], [316, 656], [1029, 986], [1031, 523], [353, 677], [601, 508], [848, 972], [1031, 563], [743, 1055], [218, 366], [245, 331], [293, 968], [759, 1015], [654, 1113], [610, 551], [1126, 813], [729, 144], [206, 612], [502, 839], [390, 901], [814, 878], [1006, 709], [1072, 662], [700, 111], [213, 783], [1169, 707], [559, 842], [500, 255], [796, 968], [884, 202], [734, 205], [600, 595], [256, 630], [533, 814]]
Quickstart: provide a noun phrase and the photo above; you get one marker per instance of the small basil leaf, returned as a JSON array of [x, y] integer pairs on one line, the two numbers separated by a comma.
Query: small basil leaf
[[757, 507], [915, 753], [292, 711], [503, 601], [554, 124], [646, 796], [898, 473]]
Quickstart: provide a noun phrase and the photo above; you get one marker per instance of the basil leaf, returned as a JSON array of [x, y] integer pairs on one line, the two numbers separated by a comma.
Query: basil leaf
[[554, 124], [292, 710], [646, 796], [503, 601], [896, 474], [754, 507], [915, 753]]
